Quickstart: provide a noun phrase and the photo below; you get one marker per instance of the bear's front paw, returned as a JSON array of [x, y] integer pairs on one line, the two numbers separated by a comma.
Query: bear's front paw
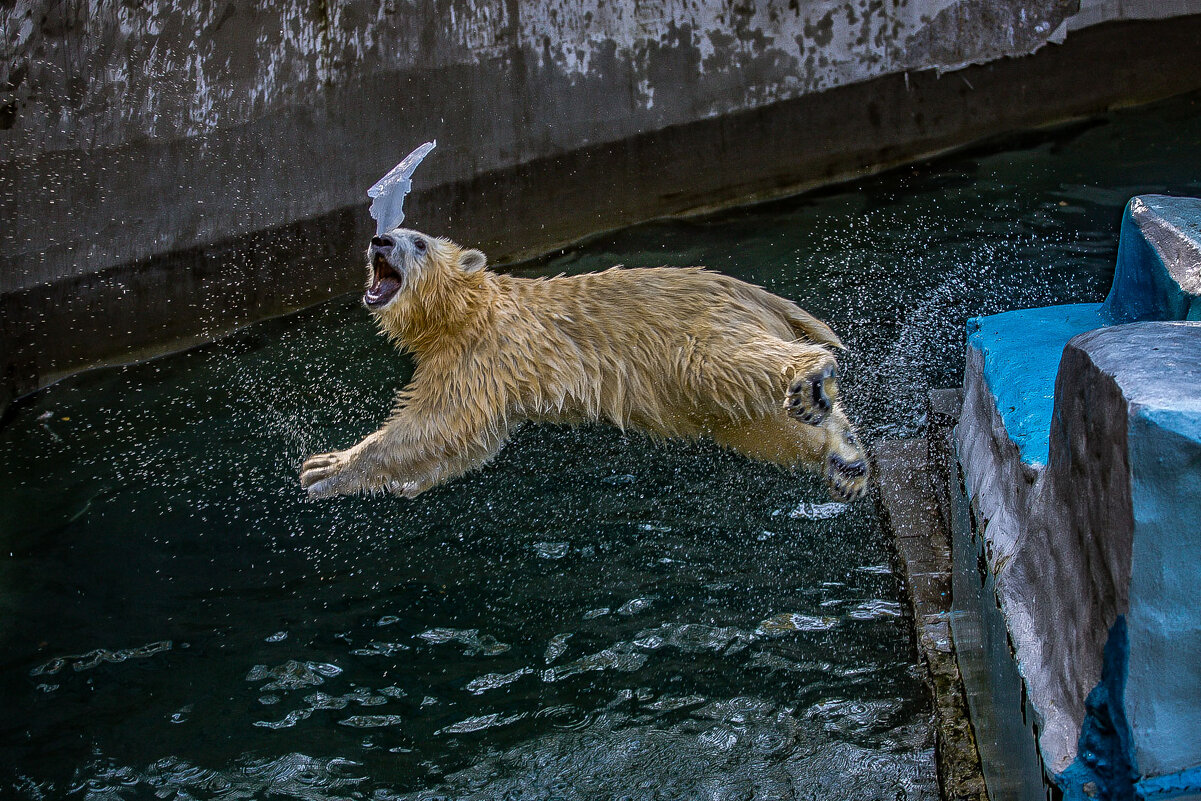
[[323, 476], [847, 480], [807, 399]]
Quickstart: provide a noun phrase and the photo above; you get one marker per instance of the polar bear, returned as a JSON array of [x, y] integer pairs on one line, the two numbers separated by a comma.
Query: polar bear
[[672, 352]]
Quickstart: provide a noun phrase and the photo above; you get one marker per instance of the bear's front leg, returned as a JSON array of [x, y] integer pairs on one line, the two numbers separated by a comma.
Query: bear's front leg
[[417, 450], [342, 472], [377, 464]]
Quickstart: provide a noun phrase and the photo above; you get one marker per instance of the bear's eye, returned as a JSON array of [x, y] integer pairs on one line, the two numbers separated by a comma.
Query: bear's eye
[[419, 244]]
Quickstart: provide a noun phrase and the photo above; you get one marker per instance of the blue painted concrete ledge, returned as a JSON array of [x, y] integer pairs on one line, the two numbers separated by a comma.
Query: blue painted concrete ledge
[[1080, 445], [1021, 352], [1157, 278]]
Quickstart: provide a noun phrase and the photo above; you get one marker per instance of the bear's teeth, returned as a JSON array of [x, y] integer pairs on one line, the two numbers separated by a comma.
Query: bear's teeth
[[382, 290]]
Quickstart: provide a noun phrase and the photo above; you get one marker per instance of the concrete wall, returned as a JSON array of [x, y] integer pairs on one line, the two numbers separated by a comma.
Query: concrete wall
[[209, 129], [134, 129]]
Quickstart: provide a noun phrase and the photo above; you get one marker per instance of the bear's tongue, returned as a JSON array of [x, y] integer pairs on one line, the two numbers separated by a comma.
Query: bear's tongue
[[384, 285]]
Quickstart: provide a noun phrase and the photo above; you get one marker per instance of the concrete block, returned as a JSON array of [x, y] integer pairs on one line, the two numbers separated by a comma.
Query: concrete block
[[1020, 352], [1080, 442], [906, 497], [1108, 528], [1158, 275]]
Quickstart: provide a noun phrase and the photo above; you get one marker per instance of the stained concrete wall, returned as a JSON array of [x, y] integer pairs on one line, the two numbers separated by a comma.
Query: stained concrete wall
[[167, 151], [137, 128]]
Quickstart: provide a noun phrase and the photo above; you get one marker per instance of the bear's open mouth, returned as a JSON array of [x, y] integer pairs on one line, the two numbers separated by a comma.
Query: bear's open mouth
[[385, 283]]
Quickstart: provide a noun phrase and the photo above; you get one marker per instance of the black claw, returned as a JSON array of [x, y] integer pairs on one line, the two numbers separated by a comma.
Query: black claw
[[813, 410], [856, 470]]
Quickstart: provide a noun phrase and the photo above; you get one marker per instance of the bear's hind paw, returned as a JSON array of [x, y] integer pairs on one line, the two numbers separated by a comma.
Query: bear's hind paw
[[846, 480], [807, 399]]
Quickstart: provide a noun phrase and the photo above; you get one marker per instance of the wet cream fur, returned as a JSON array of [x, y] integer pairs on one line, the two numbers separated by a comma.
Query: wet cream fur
[[671, 352]]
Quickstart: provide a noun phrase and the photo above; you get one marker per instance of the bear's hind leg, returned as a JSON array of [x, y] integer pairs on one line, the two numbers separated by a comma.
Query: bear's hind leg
[[832, 449], [846, 464], [812, 399], [774, 439]]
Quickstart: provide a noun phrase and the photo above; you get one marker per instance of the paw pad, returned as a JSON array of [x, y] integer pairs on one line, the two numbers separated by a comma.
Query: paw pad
[[807, 400]]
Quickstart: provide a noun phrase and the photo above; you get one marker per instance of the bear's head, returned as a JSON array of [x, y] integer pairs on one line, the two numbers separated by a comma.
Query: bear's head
[[412, 276]]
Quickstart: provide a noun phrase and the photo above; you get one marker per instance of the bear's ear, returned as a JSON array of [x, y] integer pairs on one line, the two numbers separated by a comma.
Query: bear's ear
[[472, 261]]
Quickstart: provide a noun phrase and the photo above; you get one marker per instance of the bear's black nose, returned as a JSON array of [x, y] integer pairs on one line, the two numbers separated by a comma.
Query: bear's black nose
[[382, 242]]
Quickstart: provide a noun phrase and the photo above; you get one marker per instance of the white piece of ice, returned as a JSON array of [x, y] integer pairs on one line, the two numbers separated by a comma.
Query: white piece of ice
[[818, 511], [388, 193]]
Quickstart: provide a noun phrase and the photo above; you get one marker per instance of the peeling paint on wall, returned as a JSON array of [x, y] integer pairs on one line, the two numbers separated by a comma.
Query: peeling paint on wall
[[91, 75], [78, 75], [794, 47], [134, 128]]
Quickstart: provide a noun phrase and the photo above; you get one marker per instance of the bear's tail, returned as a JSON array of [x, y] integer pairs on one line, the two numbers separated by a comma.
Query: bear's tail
[[803, 323]]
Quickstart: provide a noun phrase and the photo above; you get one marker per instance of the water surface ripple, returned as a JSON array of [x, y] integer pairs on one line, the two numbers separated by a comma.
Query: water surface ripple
[[593, 616]]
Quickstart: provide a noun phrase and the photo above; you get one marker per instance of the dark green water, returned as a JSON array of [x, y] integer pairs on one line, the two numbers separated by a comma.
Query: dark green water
[[590, 617]]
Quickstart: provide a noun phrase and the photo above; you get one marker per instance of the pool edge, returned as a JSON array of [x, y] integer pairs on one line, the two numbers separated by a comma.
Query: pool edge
[[915, 511]]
